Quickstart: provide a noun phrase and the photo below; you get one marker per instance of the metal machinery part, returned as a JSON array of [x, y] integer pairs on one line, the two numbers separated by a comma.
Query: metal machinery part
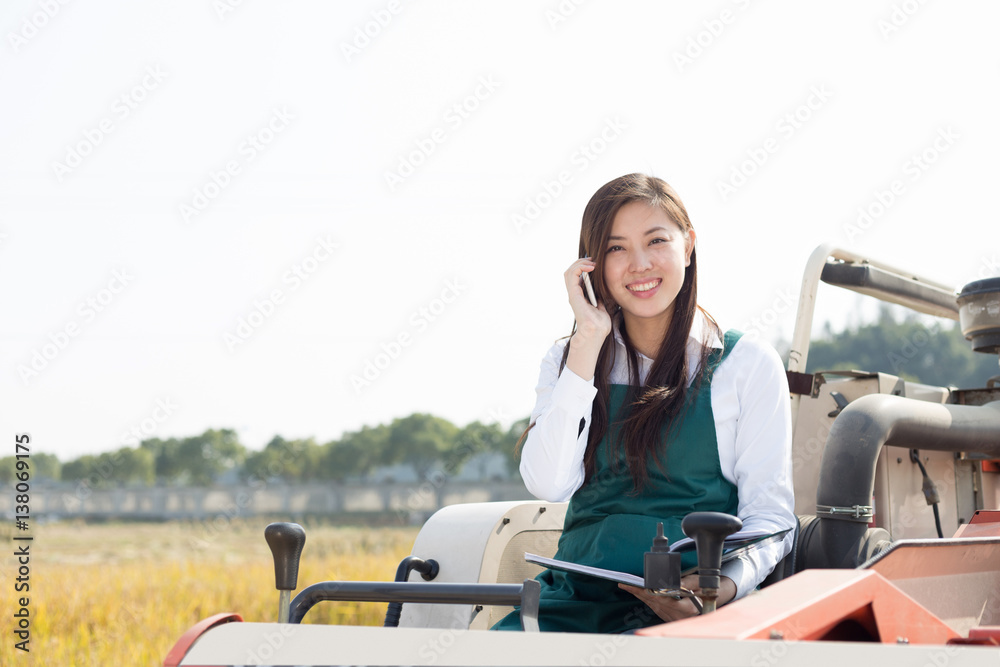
[[852, 451], [246, 643]]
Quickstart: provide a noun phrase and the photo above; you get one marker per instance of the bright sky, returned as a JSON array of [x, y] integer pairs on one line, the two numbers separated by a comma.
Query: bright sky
[[397, 186]]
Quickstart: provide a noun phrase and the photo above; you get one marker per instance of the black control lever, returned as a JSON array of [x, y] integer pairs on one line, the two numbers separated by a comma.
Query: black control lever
[[841, 402], [709, 530], [286, 541], [931, 494], [661, 568]]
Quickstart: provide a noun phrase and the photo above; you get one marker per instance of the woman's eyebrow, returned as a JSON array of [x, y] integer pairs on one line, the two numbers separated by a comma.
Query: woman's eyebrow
[[651, 231]]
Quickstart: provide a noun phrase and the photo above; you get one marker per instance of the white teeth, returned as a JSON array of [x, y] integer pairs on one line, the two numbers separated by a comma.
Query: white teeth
[[644, 287]]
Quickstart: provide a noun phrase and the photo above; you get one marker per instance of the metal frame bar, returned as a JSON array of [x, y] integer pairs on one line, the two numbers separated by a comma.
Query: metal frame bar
[[525, 595], [812, 275]]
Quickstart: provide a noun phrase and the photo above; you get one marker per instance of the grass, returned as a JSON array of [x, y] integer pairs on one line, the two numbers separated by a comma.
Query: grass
[[122, 594]]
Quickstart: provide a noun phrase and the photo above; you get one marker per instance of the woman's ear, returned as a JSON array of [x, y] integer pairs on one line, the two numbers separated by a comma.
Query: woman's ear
[[691, 238]]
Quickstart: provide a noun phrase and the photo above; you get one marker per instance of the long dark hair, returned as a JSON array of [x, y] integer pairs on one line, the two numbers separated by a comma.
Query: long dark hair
[[661, 399]]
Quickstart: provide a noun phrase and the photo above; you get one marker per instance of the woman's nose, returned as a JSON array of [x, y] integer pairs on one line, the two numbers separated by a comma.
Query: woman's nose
[[640, 262]]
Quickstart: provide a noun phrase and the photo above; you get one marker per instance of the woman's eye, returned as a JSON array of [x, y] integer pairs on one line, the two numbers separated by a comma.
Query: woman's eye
[[657, 240], [614, 248]]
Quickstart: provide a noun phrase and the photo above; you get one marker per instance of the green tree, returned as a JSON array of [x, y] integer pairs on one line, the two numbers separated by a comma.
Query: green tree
[[41, 467], [934, 354], [474, 439], [8, 469], [168, 466], [289, 460], [420, 441], [204, 457], [80, 469], [47, 466], [356, 454], [196, 460], [267, 463], [123, 467], [131, 466]]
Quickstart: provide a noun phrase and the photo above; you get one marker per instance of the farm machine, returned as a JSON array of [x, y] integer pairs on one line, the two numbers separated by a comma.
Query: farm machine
[[896, 557]]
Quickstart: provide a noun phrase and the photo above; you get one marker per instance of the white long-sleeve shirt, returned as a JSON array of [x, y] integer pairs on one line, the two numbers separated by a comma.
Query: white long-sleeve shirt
[[752, 411]]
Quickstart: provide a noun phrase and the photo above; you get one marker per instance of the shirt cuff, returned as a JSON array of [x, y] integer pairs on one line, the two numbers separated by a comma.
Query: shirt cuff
[[741, 574], [573, 393]]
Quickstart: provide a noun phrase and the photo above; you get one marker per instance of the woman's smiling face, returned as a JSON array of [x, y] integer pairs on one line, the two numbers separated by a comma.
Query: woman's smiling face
[[646, 255]]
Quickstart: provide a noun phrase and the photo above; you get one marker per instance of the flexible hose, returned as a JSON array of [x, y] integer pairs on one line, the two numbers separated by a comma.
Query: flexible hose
[[930, 491], [428, 569]]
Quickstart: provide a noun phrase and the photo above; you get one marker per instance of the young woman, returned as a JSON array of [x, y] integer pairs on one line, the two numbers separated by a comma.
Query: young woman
[[648, 412]]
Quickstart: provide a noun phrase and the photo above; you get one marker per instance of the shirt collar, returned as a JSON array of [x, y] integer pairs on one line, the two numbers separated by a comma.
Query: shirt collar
[[695, 336]]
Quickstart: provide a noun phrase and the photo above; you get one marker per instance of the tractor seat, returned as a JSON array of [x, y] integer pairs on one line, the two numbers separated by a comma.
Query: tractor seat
[[482, 543]]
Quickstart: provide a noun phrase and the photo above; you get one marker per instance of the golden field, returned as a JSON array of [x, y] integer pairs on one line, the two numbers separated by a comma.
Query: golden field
[[122, 594]]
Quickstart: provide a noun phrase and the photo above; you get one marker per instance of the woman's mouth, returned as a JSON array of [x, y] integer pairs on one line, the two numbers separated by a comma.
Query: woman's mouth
[[645, 288]]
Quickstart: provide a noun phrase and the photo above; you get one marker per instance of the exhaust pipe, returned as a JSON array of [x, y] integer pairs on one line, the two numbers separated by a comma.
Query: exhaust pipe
[[847, 473]]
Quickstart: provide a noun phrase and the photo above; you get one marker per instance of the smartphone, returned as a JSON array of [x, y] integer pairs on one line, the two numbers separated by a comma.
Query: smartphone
[[590, 290]]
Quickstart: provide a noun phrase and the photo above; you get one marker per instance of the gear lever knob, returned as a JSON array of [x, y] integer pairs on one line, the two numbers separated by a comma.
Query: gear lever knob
[[709, 531], [286, 541]]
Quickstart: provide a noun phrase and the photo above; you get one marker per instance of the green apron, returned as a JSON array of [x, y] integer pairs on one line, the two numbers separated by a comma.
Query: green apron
[[608, 526]]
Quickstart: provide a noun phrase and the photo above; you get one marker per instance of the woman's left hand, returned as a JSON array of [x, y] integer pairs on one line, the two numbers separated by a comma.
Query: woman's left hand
[[669, 609]]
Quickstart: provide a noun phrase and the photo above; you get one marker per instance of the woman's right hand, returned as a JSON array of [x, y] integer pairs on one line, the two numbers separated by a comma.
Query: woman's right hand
[[592, 324]]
